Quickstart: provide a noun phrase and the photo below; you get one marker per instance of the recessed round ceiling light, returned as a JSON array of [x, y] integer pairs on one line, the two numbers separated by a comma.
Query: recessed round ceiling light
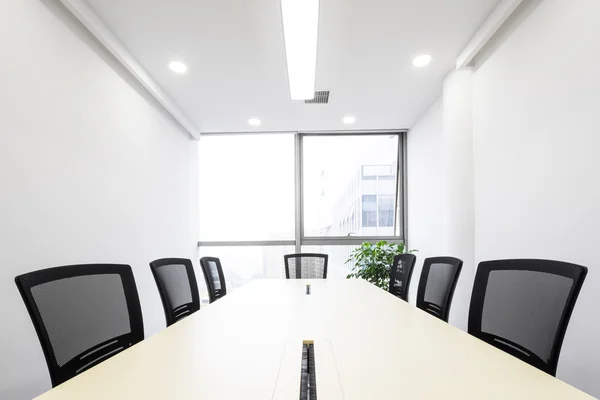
[[349, 119], [254, 121], [178, 67], [422, 61]]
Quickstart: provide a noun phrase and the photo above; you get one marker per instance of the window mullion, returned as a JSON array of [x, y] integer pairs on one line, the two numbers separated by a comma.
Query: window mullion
[[299, 203]]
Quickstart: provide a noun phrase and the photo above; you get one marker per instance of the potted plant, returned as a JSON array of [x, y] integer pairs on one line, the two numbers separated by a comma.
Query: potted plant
[[373, 262]]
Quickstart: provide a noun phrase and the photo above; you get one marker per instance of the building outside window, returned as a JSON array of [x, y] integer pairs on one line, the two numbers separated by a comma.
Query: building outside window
[[250, 199], [385, 209], [369, 210]]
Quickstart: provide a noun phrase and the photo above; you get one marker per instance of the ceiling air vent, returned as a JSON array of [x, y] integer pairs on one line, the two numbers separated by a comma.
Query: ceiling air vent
[[321, 97]]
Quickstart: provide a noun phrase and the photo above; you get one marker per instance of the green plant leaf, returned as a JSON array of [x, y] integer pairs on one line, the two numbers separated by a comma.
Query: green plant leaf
[[373, 262]]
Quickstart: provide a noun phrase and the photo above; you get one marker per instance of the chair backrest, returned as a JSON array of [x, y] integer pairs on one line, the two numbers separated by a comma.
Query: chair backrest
[[176, 282], [437, 284], [213, 275], [306, 266], [83, 314], [400, 275], [523, 307]]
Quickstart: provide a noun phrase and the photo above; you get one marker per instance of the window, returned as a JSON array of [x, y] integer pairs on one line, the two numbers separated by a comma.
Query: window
[[369, 211], [369, 172], [246, 187], [342, 173], [381, 172], [337, 267], [386, 172], [378, 211], [242, 264], [266, 195], [386, 207]]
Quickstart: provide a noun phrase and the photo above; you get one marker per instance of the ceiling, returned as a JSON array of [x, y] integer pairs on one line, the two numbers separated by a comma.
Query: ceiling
[[235, 53]]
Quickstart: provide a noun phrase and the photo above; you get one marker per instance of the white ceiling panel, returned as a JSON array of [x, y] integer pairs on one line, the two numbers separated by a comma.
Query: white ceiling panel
[[235, 54]]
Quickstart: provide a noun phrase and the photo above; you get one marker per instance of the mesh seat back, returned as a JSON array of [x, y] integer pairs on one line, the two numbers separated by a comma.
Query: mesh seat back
[[83, 314], [400, 275], [523, 307], [176, 282], [213, 275], [306, 266], [437, 284]]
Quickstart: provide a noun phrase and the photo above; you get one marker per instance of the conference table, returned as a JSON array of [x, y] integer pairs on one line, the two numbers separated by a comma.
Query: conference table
[[368, 344]]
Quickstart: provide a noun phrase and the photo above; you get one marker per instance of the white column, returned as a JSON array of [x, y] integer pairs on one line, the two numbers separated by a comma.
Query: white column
[[459, 185]]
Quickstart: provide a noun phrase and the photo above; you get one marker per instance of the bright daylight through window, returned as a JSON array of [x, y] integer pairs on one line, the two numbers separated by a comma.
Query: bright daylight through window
[[247, 187], [266, 195], [350, 185]]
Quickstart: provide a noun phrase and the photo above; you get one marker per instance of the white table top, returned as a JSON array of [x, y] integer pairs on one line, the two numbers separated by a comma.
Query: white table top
[[368, 345]]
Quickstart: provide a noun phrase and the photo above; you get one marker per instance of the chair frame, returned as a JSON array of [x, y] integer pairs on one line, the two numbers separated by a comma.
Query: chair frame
[[411, 267], [207, 278], [174, 314], [575, 272], [108, 348], [286, 258], [431, 308]]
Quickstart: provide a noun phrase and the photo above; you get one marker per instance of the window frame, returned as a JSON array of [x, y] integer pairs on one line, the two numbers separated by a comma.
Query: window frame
[[400, 209]]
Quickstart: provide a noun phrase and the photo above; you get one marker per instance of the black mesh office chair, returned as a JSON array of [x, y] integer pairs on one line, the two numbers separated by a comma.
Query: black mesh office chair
[[306, 266], [400, 275], [177, 286], [213, 275], [523, 307], [83, 314], [437, 284]]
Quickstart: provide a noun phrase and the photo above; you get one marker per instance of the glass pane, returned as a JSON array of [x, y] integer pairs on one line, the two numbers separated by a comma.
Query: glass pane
[[247, 187], [243, 264], [336, 265], [350, 185], [386, 205]]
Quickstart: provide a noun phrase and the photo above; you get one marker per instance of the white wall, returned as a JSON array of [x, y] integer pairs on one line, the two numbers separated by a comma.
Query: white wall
[[537, 99], [426, 196], [536, 96], [458, 185], [91, 170], [440, 188]]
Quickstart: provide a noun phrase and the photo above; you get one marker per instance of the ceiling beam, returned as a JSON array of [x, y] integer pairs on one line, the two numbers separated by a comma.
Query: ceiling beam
[[96, 26], [496, 19]]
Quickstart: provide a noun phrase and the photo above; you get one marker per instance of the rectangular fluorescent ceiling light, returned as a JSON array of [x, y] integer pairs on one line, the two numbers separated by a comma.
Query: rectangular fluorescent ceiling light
[[300, 31]]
